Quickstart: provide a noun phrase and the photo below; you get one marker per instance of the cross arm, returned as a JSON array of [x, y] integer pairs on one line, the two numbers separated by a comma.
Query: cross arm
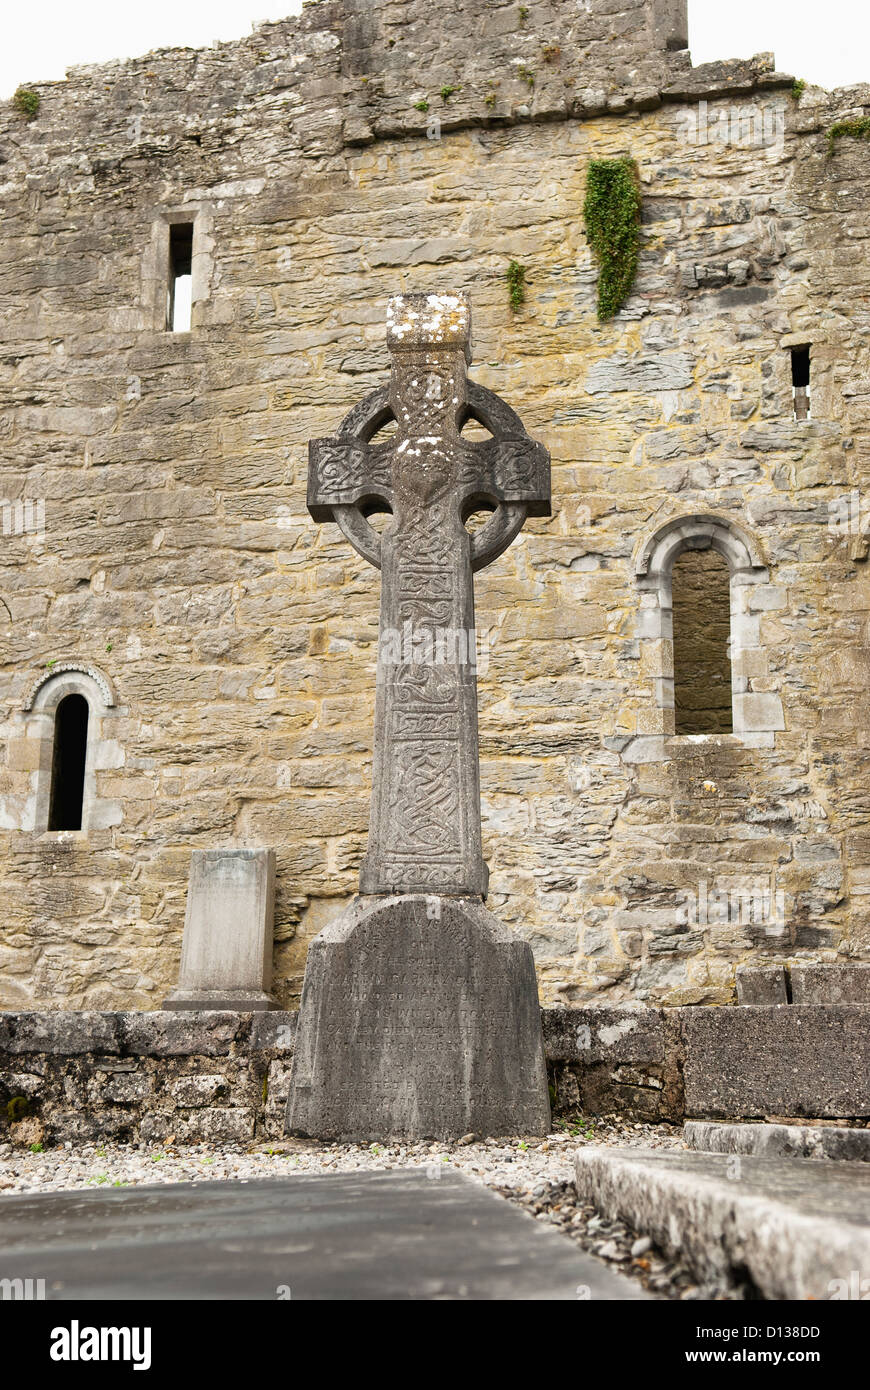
[[509, 473], [511, 466], [346, 469], [509, 470], [349, 477], [346, 473]]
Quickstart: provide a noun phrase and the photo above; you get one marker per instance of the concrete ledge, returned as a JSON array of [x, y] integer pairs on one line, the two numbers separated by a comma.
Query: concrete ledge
[[847, 982], [798, 1229], [787, 1060], [792, 1060], [779, 1141], [830, 984], [159, 1034], [762, 984], [144, 1076]]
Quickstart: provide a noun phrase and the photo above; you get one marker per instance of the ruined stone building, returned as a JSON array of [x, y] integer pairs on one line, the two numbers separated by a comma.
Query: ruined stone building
[[674, 666]]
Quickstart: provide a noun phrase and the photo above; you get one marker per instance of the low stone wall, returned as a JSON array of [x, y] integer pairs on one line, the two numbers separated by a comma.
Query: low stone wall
[[153, 1077], [143, 1076], [624, 1061]]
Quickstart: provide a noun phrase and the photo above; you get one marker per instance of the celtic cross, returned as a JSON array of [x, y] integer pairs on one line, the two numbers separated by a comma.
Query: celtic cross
[[424, 834]]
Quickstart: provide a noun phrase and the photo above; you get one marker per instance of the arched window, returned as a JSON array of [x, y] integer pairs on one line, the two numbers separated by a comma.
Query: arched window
[[704, 590], [69, 756], [701, 591], [66, 727]]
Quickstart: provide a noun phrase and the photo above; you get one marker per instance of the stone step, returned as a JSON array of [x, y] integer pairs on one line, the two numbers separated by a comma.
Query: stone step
[[780, 1141], [789, 1060], [797, 1228]]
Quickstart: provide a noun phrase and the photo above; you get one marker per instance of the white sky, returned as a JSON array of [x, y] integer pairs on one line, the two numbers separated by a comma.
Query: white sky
[[823, 41], [39, 41]]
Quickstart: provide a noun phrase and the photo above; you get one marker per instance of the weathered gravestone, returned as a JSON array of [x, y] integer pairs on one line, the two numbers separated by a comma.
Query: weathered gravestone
[[226, 951], [420, 1012]]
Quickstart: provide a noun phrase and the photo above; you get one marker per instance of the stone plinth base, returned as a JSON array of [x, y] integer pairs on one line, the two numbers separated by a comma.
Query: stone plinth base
[[239, 1001], [419, 1019]]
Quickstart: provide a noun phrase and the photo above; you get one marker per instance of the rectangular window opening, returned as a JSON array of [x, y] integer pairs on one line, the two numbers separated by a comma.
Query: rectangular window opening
[[179, 300], [800, 380], [702, 644]]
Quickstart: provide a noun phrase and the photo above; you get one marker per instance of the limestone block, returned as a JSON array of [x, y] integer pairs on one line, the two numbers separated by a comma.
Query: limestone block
[[787, 1059], [216, 1124], [640, 373], [59, 1033], [831, 984], [198, 1089], [761, 984], [764, 598], [206, 1033], [127, 1086], [758, 712], [646, 748]]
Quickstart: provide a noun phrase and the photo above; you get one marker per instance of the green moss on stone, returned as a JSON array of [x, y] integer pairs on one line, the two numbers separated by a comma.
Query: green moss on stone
[[856, 130], [17, 1108]]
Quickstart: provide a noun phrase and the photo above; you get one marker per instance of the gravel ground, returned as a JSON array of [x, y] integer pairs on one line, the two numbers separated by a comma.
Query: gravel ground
[[535, 1173]]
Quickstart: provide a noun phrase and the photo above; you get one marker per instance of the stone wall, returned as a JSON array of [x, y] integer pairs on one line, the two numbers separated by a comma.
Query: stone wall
[[144, 1077], [157, 1077], [178, 565]]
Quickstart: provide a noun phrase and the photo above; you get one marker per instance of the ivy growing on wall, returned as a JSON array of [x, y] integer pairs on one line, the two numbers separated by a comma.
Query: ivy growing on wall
[[612, 216], [26, 101], [516, 278]]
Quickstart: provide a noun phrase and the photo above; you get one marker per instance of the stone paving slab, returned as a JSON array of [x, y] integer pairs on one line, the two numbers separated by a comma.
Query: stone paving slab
[[794, 1226], [780, 1141], [397, 1235]]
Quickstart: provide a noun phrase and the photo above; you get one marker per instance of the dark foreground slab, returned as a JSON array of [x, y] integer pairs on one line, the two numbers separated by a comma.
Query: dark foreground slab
[[396, 1235]]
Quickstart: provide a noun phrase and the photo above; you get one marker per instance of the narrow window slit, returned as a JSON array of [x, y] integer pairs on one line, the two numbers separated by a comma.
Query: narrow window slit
[[66, 805], [800, 380], [179, 302]]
